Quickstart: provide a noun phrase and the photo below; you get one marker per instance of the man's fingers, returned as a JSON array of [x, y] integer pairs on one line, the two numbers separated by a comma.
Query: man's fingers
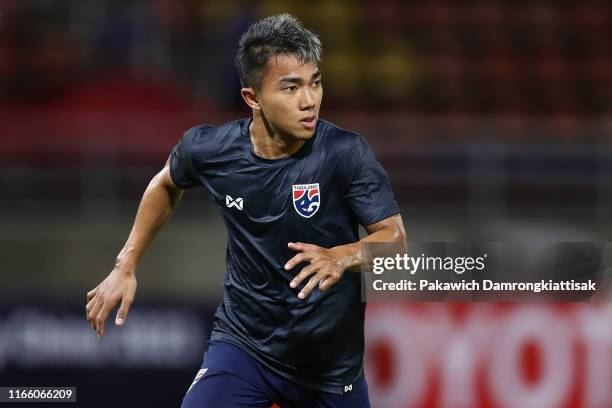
[[88, 309], [307, 253], [90, 305], [300, 246], [93, 311], [100, 328], [92, 293], [327, 283], [101, 319], [104, 298], [322, 282], [95, 300], [123, 310], [94, 314], [312, 283], [298, 259], [297, 246], [102, 315], [304, 273]]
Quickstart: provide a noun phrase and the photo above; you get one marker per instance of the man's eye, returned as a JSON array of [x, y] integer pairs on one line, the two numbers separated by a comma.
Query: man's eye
[[291, 89], [317, 82]]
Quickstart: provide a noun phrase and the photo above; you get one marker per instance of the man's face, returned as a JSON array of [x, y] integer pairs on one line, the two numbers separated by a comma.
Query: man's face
[[290, 96]]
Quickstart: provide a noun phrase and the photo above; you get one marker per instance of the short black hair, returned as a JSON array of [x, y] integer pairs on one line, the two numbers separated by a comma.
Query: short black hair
[[275, 35]]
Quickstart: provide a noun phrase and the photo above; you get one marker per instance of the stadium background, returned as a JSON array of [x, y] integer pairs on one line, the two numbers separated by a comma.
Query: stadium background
[[492, 119]]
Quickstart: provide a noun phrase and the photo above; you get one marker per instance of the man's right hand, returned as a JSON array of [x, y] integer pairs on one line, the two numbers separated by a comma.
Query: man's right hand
[[158, 201], [119, 286]]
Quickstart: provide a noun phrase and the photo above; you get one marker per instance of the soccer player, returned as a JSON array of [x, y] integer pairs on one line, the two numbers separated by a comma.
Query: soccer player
[[292, 190]]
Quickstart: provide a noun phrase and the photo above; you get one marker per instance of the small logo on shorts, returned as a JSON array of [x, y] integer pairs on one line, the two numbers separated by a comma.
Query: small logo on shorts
[[199, 375], [348, 388]]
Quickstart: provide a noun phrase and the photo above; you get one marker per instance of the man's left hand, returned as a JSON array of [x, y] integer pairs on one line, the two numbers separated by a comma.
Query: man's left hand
[[325, 267]]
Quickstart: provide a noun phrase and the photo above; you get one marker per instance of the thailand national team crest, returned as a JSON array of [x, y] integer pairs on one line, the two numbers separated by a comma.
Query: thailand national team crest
[[306, 199]]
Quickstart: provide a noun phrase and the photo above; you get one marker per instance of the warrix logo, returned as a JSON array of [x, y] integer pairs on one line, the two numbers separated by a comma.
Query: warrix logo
[[237, 203], [348, 388], [199, 375]]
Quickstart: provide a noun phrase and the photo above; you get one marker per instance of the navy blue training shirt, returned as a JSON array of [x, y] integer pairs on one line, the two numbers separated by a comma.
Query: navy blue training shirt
[[319, 195]]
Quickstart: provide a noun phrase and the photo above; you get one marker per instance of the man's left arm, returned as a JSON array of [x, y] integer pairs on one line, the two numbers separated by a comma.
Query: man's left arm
[[326, 266]]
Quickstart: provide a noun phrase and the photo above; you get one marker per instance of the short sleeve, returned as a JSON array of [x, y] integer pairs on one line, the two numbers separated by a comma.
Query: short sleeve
[[181, 163], [369, 193]]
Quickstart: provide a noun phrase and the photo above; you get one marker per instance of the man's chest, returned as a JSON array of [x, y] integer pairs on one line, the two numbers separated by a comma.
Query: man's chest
[[292, 192]]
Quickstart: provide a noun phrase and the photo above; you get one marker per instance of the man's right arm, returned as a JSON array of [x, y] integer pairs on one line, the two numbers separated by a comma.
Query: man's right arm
[[158, 201]]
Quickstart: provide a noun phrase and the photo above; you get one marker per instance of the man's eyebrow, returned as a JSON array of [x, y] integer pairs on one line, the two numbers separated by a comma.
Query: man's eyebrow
[[291, 79], [294, 79]]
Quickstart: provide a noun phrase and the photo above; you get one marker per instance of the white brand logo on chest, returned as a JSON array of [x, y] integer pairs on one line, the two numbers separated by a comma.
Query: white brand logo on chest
[[230, 202]]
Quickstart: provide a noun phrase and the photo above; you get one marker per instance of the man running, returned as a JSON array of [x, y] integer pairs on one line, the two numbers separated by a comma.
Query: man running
[[292, 190]]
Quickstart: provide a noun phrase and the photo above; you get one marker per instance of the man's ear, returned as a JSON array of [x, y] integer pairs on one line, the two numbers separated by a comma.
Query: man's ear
[[250, 97]]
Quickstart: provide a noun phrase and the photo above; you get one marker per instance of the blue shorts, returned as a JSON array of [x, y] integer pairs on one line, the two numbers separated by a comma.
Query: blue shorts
[[231, 377]]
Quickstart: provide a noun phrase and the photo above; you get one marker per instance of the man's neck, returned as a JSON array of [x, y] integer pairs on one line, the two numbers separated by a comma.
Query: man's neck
[[269, 144]]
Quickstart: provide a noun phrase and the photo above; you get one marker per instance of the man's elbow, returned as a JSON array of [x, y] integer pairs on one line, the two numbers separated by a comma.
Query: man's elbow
[[395, 230], [390, 230], [399, 233]]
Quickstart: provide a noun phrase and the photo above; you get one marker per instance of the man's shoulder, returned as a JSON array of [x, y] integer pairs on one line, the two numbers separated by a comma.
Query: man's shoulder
[[333, 129], [339, 137], [207, 133]]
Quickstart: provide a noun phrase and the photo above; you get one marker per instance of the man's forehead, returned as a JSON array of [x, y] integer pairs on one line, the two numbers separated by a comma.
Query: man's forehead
[[279, 66]]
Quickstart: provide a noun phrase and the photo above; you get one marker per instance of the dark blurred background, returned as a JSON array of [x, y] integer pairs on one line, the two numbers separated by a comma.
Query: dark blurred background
[[492, 119]]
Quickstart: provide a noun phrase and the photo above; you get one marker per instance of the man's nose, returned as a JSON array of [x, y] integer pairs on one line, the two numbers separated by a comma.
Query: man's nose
[[307, 100]]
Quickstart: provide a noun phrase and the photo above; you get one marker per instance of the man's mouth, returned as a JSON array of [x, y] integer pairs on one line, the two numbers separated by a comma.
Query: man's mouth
[[309, 122]]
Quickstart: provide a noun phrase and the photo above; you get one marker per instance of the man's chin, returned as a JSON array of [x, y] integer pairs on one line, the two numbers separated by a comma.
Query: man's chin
[[304, 134], [299, 133]]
